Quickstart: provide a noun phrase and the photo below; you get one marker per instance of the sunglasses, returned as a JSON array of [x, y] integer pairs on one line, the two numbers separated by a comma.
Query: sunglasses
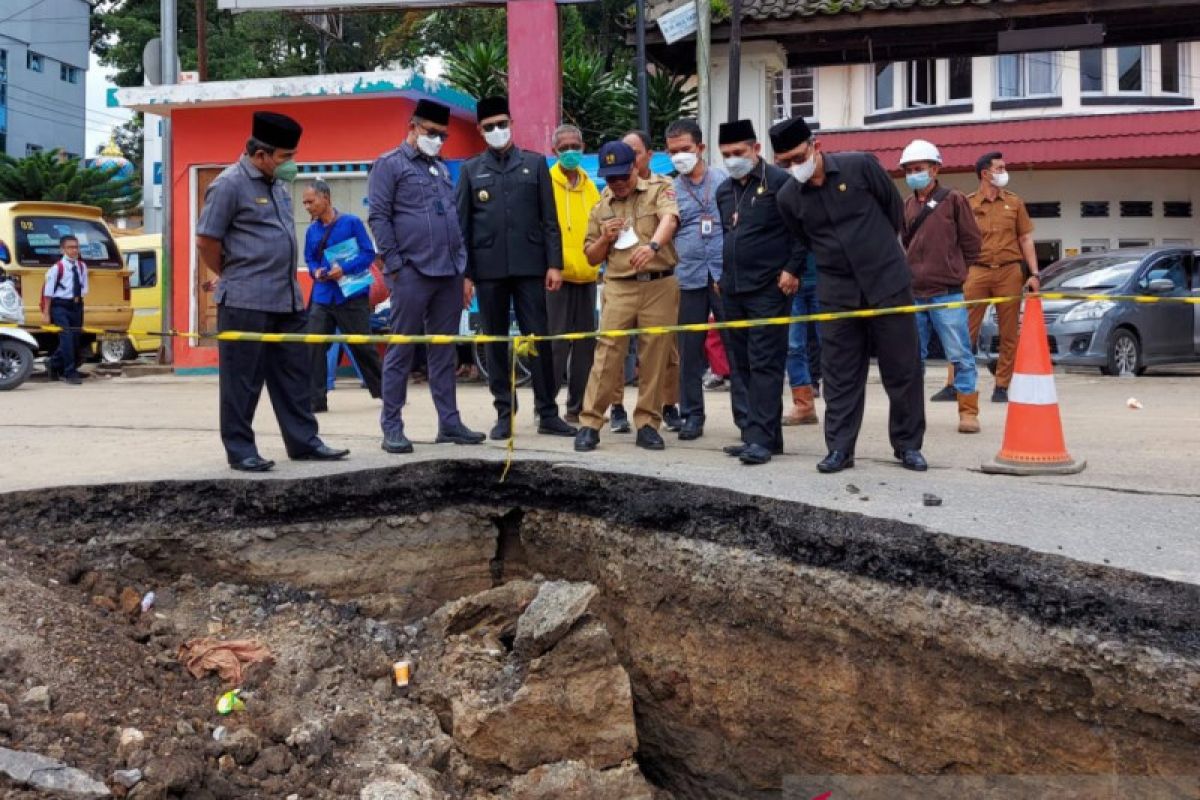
[[491, 126], [436, 134]]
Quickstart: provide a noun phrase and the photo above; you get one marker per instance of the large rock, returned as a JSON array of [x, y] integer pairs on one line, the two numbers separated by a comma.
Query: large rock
[[47, 775], [498, 609], [574, 780], [575, 703], [557, 607]]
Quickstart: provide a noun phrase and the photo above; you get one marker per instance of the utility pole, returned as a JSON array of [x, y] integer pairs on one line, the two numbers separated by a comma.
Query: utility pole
[[735, 57], [202, 39], [642, 89], [703, 64], [169, 23]]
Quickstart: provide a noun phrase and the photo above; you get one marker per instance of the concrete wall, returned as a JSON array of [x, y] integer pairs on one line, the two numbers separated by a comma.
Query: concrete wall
[[41, 108], [761, 61]]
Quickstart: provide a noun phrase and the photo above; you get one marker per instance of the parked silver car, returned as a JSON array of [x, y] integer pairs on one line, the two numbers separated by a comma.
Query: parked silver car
[[1119, 337]]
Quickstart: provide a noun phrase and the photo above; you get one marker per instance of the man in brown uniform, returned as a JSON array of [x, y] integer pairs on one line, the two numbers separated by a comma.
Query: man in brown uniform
[[1007, 239], [633, 229]]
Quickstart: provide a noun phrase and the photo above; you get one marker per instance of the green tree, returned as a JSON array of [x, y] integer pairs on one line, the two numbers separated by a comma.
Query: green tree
[[479, 68], [51, 176], [668, 98]]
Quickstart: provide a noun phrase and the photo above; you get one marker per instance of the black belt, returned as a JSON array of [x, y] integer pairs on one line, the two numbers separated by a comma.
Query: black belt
[[67, 301], [642, 277]]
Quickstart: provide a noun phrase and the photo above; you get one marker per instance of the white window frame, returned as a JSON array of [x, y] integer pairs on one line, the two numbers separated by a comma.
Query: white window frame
[[1023, 61], [782, 88], [912, 69], [1142, 90], [31, 149], [873, 84], [1103, 72], [902, 86], [1183, 77], [944, 68]]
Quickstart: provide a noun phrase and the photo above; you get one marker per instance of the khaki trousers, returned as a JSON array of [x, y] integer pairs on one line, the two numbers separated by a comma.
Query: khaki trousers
[[671, 379], [1006, 281], [633, 304]]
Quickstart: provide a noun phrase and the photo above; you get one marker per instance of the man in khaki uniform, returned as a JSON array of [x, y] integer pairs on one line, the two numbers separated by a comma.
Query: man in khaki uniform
[[1007, 239], [633, 229]]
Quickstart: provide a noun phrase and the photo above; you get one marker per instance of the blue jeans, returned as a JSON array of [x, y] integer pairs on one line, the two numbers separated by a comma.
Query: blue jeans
[[803, 302], [950, 324]]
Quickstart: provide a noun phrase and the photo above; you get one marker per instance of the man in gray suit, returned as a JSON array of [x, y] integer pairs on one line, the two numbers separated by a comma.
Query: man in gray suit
[[514, 256]]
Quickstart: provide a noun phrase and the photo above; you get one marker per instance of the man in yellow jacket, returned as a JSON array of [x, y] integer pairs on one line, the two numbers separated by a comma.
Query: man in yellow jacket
[[572, 309]]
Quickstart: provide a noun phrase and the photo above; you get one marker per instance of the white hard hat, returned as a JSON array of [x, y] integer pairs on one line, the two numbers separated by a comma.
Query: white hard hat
[[920, 150]]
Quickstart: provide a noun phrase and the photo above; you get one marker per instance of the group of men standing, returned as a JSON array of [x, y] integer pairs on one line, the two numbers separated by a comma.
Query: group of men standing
[[531, 242]]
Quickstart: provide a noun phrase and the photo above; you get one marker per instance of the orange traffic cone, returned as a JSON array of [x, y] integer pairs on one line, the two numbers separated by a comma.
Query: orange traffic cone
[[1033, 435]]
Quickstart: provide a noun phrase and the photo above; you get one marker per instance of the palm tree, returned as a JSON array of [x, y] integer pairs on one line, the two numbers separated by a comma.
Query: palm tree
[[52, 176]]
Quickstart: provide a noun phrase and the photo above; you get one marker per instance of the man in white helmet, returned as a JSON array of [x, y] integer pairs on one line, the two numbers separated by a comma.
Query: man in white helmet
[[941, 239]]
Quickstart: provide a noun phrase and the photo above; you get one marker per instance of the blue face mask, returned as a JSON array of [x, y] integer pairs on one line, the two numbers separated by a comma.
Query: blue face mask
[[570, 159], [917, 180]]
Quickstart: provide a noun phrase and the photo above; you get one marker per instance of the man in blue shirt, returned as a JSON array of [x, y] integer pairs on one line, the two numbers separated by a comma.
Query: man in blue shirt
[[415, 223], [699, 243], [339, 254]]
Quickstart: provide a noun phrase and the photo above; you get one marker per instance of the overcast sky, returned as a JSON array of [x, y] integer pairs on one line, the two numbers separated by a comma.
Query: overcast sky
[[100, 118]]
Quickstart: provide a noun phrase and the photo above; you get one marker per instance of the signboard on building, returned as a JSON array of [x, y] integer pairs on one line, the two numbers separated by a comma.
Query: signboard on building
[[678, 24]]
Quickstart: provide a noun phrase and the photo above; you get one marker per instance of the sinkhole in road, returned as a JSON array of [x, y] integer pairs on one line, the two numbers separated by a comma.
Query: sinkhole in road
[[760, 640]]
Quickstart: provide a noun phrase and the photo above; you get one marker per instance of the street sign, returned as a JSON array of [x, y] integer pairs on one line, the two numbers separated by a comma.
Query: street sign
[[158, 173], [678, 24]]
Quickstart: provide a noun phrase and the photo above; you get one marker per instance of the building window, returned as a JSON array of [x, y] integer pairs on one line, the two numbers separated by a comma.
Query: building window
[[1137, 208], [1131, 65], [1046, 210], [68, 74], [1123, 243], [922, 83], [33, 61], [1027, 75], [1170, 67], [1093, 245], [795, 93], [1091, 71], [1093, 209], [32, 149], [3, 65], [959, 79], [1177, 209], [885, 87]]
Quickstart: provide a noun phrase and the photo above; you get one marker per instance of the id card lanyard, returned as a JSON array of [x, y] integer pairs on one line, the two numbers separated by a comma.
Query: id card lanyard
[[707, 220]]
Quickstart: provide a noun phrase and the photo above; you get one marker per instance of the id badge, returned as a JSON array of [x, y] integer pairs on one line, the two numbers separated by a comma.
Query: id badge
[[706, 225]]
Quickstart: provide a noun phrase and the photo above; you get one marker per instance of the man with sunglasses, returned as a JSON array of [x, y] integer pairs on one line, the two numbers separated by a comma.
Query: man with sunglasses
[[415, 223], [845, 208], [514, 256]]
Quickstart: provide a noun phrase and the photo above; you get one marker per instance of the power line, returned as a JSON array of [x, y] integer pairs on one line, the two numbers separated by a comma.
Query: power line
[[86, 125], [117, 117]]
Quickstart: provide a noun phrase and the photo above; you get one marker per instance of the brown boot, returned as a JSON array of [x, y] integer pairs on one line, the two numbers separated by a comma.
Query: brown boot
[[968, 413], [804, 411]]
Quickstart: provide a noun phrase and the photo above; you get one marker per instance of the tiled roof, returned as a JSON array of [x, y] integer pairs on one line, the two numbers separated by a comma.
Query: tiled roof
[[782, 9], [1062, 141]]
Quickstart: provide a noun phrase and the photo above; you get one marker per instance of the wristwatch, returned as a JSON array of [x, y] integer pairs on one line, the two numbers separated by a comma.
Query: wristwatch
[[655, 246]]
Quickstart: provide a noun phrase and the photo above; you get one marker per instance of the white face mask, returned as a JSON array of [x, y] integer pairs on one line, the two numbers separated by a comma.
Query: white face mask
[[498, 138], [684, 163], [429, 145], [999, 179], [738, 167], [804, 172]]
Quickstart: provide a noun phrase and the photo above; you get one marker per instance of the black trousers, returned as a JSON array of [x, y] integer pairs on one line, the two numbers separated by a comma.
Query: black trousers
[[759, 357], [572, 309], [846, 347], [695, 305], [352, 316], [246, 366], [67, 314], [528, 297]]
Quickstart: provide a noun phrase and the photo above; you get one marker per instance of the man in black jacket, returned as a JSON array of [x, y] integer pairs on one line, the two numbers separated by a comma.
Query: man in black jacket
[[514, 256], [847, 210], [762, 263]]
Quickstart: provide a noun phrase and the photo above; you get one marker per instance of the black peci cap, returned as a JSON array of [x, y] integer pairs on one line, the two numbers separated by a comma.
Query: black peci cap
[[432, 111], [491, 107], [789, 134], [277, 130], [741, 130]]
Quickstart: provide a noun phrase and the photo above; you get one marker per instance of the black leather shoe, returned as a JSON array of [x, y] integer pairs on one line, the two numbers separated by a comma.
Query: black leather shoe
[[554, 426], [693, 428], [586, 440], [252, 464], [500, 430], [734, 450], [649, 439], [397, 445], [912, 459], [946, 394], [755, 454], [74, 379], [322, 453], [671, 419], [836, 461], [459, 434], [1000, 395]]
